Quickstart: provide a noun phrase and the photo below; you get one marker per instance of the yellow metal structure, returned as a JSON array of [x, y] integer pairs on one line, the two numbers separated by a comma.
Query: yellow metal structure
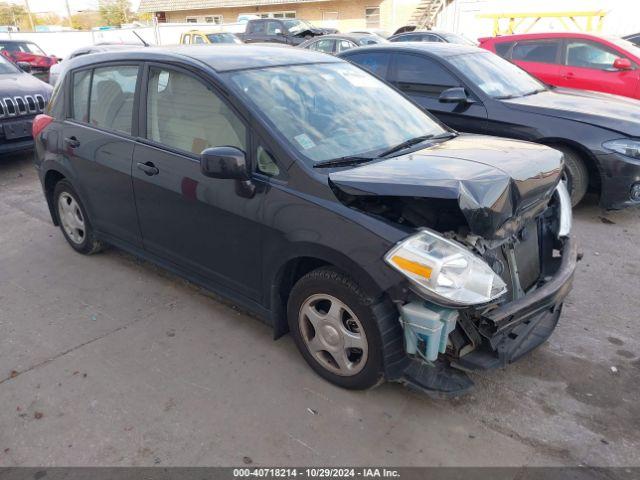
[[593, 20]]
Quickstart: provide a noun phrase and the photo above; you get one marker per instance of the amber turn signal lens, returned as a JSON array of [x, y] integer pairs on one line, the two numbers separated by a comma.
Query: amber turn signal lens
[[411, 266]]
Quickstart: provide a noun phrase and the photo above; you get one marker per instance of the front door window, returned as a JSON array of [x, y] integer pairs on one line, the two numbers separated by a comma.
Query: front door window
[[184, 114]]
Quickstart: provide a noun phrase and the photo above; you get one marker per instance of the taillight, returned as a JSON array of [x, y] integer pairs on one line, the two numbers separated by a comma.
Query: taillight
[[40, 123]]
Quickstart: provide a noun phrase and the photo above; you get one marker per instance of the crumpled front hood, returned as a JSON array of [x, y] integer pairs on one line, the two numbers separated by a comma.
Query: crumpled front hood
[[616, 113], [499, 184]]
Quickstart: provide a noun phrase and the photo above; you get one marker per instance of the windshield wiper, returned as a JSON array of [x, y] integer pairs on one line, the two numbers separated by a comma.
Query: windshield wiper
[[534, 92], [415, 141], [342, 161]]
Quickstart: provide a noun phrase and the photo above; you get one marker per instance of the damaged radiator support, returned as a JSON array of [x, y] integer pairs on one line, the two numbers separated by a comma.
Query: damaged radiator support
[[427, 328]]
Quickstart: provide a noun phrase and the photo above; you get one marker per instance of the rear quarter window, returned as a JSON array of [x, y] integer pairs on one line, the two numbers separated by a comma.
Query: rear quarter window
[[80, 82], [536, 51], [502, 48]]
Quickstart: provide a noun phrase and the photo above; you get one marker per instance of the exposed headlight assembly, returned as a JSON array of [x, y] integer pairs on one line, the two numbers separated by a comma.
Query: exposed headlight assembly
[[630, 148], [444, 271]]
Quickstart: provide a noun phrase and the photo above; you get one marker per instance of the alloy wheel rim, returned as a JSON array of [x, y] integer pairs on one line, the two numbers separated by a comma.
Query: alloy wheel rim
[[333, 335], [71, 218]]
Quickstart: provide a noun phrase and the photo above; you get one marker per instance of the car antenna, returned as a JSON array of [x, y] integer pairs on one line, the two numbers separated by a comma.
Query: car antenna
[[144, 42]]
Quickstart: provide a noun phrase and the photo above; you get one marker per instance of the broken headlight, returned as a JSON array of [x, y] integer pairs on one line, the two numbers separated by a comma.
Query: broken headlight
[[565, 210], [445, 271]]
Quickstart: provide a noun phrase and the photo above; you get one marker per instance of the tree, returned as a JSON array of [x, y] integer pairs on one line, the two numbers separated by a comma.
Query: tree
[[115, 12], [86, 20], [11, 14], [47, 19]]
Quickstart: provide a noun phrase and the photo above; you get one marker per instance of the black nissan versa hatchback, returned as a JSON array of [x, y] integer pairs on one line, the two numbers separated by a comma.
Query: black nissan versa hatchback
[[317, 197]]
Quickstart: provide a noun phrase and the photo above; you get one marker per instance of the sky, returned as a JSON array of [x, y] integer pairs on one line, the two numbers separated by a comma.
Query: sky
[[58, 6]]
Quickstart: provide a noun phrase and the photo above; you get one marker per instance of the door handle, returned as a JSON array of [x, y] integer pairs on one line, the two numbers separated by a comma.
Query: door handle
[[148, 168], [569, 75], [72, 142]]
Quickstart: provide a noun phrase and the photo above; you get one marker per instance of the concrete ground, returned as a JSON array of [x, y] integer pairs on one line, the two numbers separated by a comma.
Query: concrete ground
[[106, 360]]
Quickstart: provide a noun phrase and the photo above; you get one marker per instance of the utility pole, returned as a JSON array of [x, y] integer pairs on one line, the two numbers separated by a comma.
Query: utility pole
[[26, 4], [66, 2]]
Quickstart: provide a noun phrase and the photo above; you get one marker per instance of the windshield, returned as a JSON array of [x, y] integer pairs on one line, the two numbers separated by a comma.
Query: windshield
[[6, 66], [334, 110], [295, 26], [495, 76], [223, 38], [459, 39], [632, 48], [25, 47], [372, 40]]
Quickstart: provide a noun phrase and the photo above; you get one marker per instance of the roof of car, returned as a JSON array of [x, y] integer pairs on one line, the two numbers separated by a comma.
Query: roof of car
[[346, 36], [541, 35], [415, 32], [198, 31], [13, 40], [221, 58], [354, 37], [439, 49]]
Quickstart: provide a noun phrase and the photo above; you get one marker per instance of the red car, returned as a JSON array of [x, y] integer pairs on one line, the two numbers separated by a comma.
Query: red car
[[21, 51], [574, 60]]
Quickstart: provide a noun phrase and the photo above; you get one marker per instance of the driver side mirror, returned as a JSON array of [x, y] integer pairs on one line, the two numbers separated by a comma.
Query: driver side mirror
[[224, 162], [454, 95], [622, 64], [25, 66]]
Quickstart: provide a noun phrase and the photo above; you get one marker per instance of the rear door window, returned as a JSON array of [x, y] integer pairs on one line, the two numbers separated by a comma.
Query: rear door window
[[376, 62], [197, 39], [112, 97], [325, 45], [544, 51]]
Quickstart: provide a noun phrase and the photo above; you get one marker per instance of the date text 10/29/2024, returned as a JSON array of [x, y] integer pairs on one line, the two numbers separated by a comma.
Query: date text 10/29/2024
[[320, 472]]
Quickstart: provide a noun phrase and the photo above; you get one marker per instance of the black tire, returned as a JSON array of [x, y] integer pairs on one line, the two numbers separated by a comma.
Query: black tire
[[577, 174], [89, 244], [332, 282]]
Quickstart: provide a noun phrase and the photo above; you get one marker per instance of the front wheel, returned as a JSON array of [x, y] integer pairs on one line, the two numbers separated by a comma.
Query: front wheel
[[577, 175], [335, 329]]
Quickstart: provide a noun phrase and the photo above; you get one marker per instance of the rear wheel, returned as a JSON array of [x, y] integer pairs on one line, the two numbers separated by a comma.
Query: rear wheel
[[577, 174], [335, 329], [73, 219]]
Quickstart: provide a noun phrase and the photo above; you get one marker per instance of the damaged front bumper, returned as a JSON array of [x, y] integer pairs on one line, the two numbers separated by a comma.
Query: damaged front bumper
[[501, 336]]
